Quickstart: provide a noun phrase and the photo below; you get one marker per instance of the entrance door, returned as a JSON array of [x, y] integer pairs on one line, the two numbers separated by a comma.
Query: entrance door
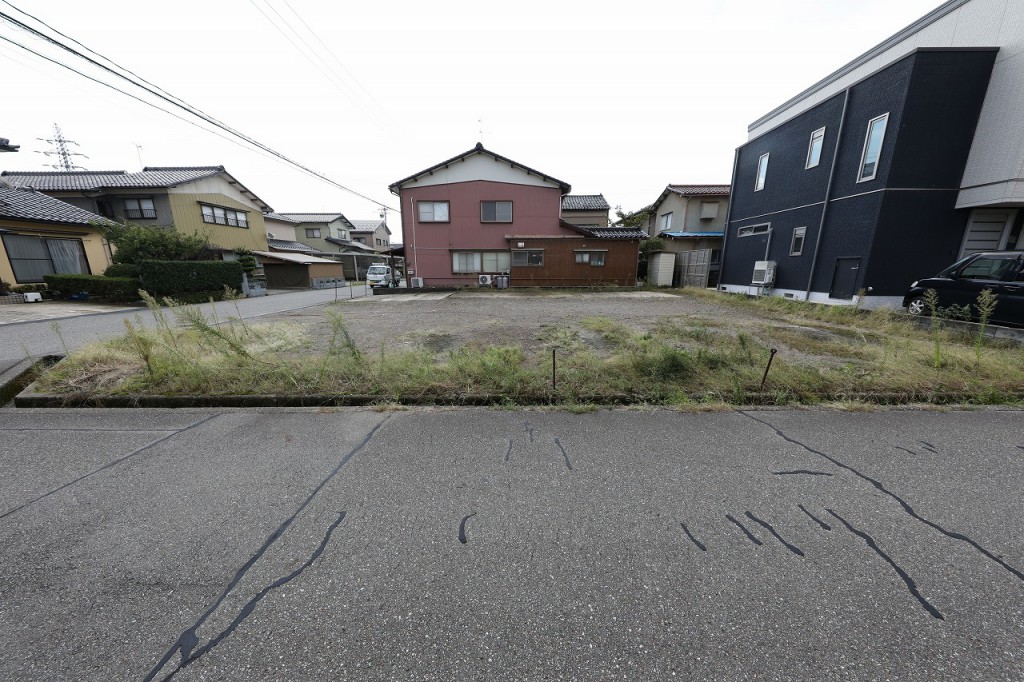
[[844, 279], [987, 230]]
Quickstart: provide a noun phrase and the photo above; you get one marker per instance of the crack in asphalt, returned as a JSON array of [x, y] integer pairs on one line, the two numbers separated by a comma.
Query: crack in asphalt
[[565, 454], [815, 518], [928, 446], [906, 450], [188, 639], [106, 466], [768, 527], [508, 452], [192, 640], [462, 528], [899, 500], [750, 536], [805, 472], [700, 545], [529, 429], [911, 585]]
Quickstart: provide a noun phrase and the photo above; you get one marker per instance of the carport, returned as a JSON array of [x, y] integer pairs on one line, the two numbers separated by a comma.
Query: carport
[[296, 270]]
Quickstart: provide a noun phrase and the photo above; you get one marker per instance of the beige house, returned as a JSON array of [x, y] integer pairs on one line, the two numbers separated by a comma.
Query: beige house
[[691, 218], [198, 200], [41, 236]]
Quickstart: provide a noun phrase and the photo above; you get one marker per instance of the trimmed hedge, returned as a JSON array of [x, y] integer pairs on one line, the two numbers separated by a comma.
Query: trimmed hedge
[[174, 277], [120, 289], [122, 270]]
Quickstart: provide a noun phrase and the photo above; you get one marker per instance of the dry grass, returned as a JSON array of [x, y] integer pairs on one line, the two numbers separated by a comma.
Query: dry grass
[[840, 357]]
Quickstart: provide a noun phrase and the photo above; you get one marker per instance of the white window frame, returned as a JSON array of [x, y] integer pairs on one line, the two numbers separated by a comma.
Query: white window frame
[[819, 137], [497, 218], [753, 230], [420, 205], [801, 234], [665, 222], [762, 172], [864, 152]]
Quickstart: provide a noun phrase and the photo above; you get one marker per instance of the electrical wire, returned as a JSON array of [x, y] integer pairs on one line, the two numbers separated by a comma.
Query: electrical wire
[[163, 95]]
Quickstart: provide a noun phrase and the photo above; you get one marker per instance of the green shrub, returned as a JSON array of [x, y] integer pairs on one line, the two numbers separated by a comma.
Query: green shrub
[[27, 288], [172, 278], [122, 270], [136, 243], [119, 289]]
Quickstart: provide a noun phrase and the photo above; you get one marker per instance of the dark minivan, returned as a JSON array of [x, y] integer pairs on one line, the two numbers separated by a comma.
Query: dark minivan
[[961, 282]]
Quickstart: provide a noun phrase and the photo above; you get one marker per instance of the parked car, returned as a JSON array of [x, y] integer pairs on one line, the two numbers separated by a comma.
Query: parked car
[[379, 275], [960, 284]]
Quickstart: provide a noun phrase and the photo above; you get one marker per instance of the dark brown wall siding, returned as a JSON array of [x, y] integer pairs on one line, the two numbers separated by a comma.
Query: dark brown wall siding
[[561, 270]]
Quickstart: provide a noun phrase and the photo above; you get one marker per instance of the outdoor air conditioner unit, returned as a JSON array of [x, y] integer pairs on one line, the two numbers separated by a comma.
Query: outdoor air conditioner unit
[[417, 282], [764, 273], [484, 280]]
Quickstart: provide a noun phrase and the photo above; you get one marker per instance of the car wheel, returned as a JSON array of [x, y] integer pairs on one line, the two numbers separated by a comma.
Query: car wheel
[[916, 306]]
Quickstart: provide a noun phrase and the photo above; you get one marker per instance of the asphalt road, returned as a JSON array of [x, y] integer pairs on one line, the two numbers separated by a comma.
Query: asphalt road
[[479, 544], [36, 339]]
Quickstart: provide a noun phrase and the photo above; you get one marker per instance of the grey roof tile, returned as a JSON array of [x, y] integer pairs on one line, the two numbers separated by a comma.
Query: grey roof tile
[[27, 204], [365, 225], [279, 216], [314, 217], [478, 149], [584, 202], [604, 232], [56, 181], [700, 190], [286, 245], [150, 177]]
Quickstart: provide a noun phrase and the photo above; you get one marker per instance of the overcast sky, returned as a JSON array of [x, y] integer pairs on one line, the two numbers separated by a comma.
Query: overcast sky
[[614, 98]]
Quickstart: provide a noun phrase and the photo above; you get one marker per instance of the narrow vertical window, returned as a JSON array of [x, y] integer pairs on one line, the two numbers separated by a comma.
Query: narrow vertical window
[[762, 172], [796, 247], [872, 148], [666, 222], [814, 148]]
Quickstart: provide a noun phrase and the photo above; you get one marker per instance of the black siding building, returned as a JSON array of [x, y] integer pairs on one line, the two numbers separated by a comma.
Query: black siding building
[[859, 192]]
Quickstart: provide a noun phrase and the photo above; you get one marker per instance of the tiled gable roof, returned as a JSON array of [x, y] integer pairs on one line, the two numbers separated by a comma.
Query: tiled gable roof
[[286, 245], [365, 225], [603, 232], [478, 149], [150, 177], [699, 190], [55, 181], [279, 216], [314, 217], [347, 243], [584, 202], [27, 204]]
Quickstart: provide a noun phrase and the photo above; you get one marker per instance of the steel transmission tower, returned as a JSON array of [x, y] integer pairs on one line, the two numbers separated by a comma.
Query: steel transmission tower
[[60, 150]]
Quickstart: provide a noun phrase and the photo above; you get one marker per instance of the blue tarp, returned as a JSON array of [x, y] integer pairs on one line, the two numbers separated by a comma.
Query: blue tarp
[[696, 235]]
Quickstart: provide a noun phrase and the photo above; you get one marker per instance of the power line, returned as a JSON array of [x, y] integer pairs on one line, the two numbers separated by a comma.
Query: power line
[[331, 52], [167, 97]]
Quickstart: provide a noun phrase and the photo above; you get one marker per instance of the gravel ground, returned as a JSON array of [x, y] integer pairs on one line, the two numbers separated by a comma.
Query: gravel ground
[[523, 319]]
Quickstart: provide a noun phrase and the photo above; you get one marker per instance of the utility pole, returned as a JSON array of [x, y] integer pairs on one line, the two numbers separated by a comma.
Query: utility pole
[[60, 150]]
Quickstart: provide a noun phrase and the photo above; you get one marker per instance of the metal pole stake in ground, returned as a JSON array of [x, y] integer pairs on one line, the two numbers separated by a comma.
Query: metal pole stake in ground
[[770, 358]]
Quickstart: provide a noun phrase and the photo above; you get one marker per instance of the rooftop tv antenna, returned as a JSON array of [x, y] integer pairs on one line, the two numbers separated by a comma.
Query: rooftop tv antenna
[[60, 150]]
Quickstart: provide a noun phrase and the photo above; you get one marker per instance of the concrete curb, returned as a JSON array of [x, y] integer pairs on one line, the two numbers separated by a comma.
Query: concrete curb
[[31, 398], [16, 378]]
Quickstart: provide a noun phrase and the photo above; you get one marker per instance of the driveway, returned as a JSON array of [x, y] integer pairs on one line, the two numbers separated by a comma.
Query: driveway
[[469, 544]]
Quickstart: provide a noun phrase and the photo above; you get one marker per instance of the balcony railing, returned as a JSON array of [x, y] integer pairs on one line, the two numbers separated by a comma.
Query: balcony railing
[[138, 213]]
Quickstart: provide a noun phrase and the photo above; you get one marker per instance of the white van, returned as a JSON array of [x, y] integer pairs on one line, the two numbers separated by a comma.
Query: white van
[[379, 275]]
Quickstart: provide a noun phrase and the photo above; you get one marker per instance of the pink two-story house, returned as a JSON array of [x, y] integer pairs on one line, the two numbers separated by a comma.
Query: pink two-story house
[[465, 216]]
